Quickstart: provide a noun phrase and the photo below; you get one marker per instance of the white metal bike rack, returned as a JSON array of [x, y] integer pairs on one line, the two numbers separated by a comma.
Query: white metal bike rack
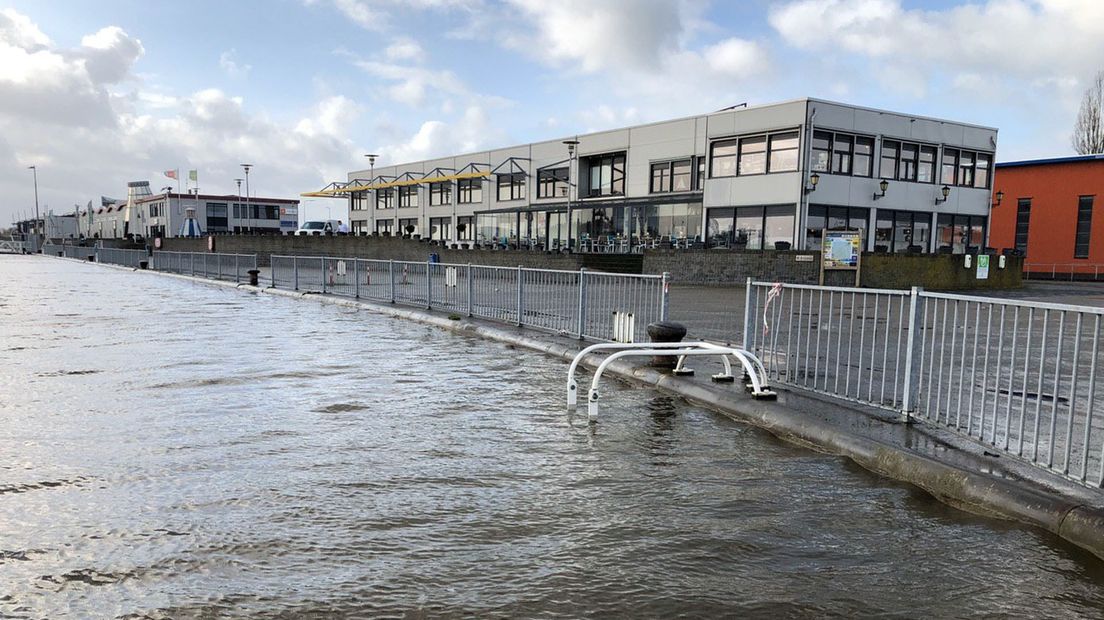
[[753, 368]]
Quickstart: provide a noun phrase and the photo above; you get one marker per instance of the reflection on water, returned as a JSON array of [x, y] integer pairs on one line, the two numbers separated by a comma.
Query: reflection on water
[[176, 450]]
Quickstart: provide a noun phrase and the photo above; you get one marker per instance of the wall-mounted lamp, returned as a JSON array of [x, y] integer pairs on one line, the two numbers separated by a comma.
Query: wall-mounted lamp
[[884, 185], [999, 197], [946, 191], [814, 178]]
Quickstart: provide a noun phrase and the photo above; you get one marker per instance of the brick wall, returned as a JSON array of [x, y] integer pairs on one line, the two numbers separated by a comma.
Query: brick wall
[[728, 267]]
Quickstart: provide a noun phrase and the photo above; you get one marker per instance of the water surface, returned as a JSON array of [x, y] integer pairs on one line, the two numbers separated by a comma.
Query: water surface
[[169, 449]]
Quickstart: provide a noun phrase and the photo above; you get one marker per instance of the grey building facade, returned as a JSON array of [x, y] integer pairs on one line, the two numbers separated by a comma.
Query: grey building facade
[[757, 177]]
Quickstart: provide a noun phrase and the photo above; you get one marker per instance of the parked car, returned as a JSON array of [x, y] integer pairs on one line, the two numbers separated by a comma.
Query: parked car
[[319, 227]]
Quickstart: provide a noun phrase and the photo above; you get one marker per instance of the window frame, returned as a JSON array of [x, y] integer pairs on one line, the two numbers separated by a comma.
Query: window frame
[[1023, 217], [617, 164], [550, 178], [442, 192], [514, 183], [666, 168], [467, 190], [1081, 248], [408, 196]]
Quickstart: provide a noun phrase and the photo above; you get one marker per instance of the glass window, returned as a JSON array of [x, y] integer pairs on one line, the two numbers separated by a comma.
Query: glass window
[[719, 226], [700, 181], [408, 226], [841, 154], [783, 152], [385, 198], [1023, 221], [1084, 227], [465, 228], [890, 149], [408, 196], [552, 183], [440, 228], [724, 159], [950, 166], [981, 176], [883, 231], [779, 226], [680, 175], [607, 175], [814, 227], [748, 231], [925, 170], [511, 186], [906, 169], [661, 177], [822, 150], [966, 168], [902, 231], [385, 226], [863, 158], [753, 155], [469, 191], [440, 194]]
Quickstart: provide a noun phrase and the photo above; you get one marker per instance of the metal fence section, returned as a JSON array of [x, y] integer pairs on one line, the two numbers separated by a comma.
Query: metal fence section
[[587, 304], [213, 265], [1020, 377], [126, 258], [846, 342], [1063, 271]]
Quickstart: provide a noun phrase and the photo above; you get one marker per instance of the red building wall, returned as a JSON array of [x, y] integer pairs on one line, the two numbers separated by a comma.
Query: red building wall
[[1054, 187]]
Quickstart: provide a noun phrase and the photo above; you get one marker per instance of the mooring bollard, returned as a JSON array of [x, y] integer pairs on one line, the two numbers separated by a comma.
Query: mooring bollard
[[665, 331], [254, 276]]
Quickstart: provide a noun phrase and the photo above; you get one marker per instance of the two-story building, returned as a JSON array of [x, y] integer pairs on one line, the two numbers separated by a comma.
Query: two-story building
[[760, 177]]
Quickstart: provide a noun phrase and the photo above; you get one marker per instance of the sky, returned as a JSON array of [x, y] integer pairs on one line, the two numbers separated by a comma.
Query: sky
[[96, 94]]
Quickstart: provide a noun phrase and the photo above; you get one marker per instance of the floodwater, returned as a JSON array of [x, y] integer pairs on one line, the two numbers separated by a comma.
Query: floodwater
[[175, 450]]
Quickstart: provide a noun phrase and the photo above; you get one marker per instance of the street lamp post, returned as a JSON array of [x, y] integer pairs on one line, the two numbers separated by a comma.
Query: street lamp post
[[371, 179], [34, 171], [571, 145], [240, 209], [247, 167]]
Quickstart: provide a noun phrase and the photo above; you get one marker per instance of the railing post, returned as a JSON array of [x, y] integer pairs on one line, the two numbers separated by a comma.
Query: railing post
[[581, 325], [910, 350], [295, 270], [218, 261], [519, 299], [471, 288], [191, 263], [323, 275], [747, 315], [429, 287], [356, 278], [391, 274], [665, 297], [237, 270]]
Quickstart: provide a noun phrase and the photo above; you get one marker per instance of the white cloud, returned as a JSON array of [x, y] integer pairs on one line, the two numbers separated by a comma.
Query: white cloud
[[376, 15], [88, 140], [404, 49], [229, 63]]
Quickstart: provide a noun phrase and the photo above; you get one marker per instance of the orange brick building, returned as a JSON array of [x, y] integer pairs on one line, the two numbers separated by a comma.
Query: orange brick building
[[1045, 208]]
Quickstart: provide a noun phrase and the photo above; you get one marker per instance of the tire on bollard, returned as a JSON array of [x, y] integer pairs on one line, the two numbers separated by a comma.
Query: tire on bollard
[[665, 331]]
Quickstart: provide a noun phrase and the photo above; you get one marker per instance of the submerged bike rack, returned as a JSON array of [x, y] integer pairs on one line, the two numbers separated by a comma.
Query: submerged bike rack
[[753, 368]]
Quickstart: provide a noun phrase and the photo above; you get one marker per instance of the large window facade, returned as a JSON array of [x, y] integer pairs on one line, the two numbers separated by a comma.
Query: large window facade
[[842, 153], [960, 234], [499, 229], [823, 217], [757, 154], [637, 224], [511, 187], [408, 196], [966, 168], [902, 231], [605, 175], [1084, 227], [552, 183], [751, 228], [469, 191]]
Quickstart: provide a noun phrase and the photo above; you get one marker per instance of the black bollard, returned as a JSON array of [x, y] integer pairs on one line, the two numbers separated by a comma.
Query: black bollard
[[666, 331], [254, 277], [143, 264]]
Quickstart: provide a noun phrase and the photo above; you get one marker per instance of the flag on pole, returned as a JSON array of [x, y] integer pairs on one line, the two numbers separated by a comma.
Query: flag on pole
[[172, 174], [193, 176]]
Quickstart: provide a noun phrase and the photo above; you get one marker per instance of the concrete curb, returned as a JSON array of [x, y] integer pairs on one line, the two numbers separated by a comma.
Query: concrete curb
[[989, 495]]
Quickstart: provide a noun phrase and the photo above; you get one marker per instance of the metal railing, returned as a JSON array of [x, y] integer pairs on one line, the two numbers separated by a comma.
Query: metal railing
[[213, 265], [1062, 271], [587, 304], [1020, 377], [126, 258]]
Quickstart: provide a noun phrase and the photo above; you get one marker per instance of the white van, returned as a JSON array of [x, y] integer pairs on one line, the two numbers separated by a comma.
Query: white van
[[320, 227]]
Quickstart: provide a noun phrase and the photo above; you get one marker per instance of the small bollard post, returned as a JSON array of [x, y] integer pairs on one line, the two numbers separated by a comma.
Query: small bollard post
[[665, 331], [143, 264], [254, 275]]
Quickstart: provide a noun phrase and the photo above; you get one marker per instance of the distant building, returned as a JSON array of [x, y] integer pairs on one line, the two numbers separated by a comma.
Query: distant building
[[1045, 209], [759, 177], [62, 226], [151, 215]]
